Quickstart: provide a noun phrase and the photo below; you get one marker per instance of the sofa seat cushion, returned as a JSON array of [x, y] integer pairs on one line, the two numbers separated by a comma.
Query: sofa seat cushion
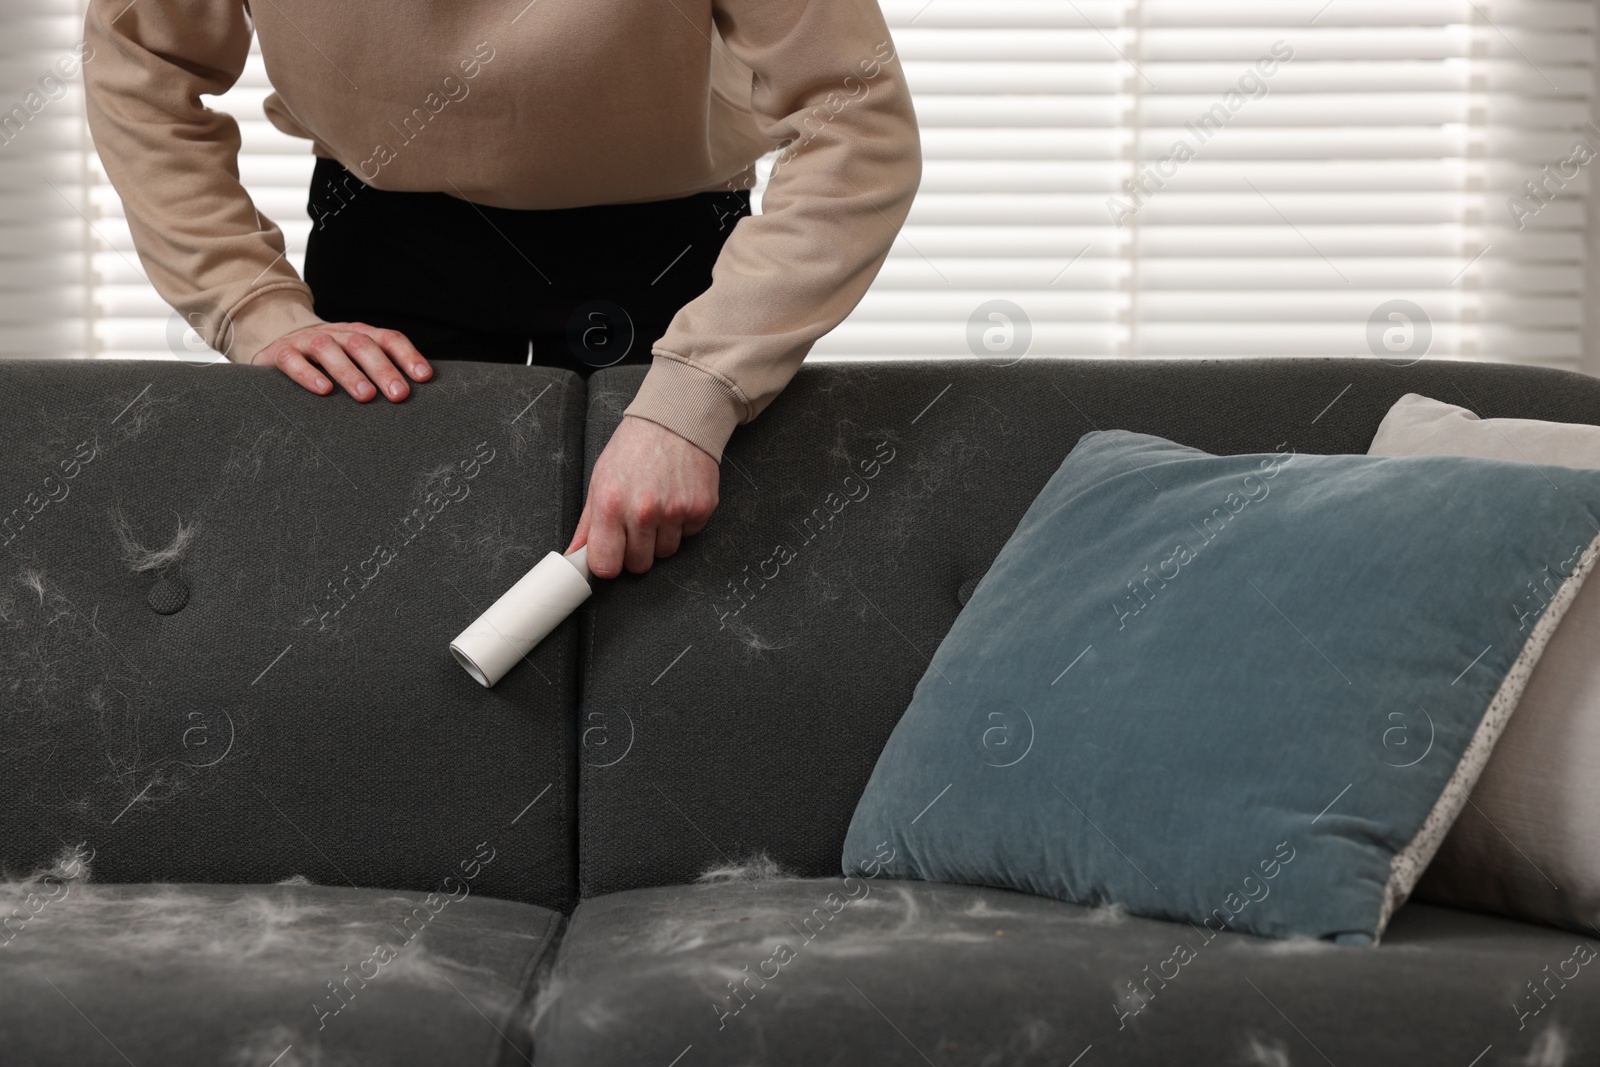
[[265, 974], [851, 971]]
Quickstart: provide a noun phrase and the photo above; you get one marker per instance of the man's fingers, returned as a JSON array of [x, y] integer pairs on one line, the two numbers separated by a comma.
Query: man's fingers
[[607, 540], [650, 489], [402, 351], [581, 534], [376, 362], [667, 540], [326, 351], [361, 358], [641, 550], [298, 368], [693, 525]]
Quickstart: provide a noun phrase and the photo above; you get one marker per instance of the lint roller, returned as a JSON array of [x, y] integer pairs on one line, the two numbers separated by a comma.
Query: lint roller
[[527, 612]]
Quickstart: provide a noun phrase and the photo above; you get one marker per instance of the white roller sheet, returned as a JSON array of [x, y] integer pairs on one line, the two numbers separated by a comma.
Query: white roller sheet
[[520, 619]]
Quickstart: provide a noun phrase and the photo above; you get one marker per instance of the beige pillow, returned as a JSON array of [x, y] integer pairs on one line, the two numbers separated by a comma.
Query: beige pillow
[[1528, 842]]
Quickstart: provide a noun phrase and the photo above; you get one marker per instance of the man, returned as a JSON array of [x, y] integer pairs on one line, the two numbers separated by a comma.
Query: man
[[492, 176]]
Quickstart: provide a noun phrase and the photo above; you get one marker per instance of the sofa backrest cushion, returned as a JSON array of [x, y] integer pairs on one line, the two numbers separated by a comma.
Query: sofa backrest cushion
[[737, 696], [225, 607]]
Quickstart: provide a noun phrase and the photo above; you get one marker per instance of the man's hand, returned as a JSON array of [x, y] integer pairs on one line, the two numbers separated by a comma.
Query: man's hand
[[359, 357], [649, 488]]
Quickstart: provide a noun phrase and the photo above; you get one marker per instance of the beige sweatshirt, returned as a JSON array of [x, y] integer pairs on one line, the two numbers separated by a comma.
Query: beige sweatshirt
[[549, 104]]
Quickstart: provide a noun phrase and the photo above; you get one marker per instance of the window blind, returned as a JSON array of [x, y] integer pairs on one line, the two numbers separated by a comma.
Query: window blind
[[1128, 175], [1358, 177], [45, 211]]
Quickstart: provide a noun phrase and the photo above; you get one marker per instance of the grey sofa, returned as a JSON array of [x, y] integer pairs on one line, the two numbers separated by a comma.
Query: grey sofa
[[254, 814]]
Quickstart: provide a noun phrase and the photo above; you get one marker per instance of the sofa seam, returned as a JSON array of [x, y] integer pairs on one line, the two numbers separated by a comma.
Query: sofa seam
[[585, 661], [569, 816], [555, 928]]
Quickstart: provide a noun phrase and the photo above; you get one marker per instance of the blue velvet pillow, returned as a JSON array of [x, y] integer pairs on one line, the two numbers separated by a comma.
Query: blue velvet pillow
[[1251, 692]]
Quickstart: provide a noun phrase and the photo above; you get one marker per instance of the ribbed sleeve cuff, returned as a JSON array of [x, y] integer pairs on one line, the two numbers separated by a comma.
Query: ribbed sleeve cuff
[[693, 402], [262, 319]]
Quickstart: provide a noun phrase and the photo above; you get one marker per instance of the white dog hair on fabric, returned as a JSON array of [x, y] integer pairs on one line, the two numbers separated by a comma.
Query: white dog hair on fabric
[[1549, 1049], [493, 541], [104, 925], [759, 920], [720, 936], [70, 865], [759, 867], [244, 465], [281, 1046], [550, 991], [278, 935], [34, 580], [590, 1011], [140, 559], [284, 934], [1265, 1052], [1027, 1040], [1110, 914], [982, 909], [1288, 946]]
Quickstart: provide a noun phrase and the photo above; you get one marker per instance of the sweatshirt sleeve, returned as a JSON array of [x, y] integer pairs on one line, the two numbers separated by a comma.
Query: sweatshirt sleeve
[[174, 162], [826, 80]]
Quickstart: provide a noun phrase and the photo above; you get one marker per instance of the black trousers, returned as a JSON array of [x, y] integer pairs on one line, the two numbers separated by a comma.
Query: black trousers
[[587, 287]]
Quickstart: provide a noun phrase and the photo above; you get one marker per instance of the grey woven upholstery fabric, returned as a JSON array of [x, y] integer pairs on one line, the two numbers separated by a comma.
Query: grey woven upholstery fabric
[[224, 606], [906, 974], [298, 712], [737, 696], [107, 975]]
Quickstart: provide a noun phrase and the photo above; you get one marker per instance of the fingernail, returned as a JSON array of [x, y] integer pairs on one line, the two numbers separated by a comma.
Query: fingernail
[[361, 390], [394, 388], [421, 370], [321, 384]]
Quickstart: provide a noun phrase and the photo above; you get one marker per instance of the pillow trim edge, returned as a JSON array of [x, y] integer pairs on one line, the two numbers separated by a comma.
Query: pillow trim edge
[[1408, 864]]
